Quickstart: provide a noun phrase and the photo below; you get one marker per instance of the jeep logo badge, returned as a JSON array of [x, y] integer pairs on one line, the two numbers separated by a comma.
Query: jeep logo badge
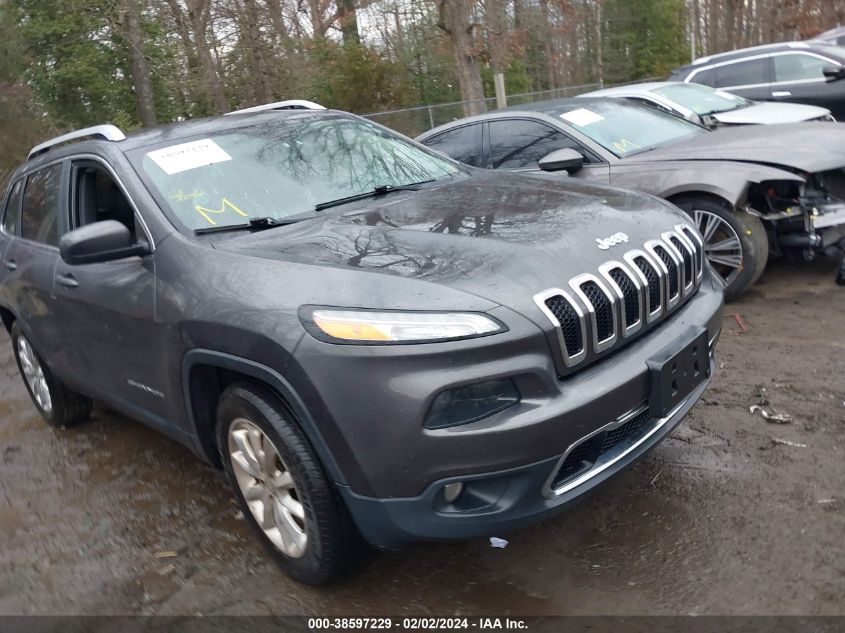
[[613, 240]]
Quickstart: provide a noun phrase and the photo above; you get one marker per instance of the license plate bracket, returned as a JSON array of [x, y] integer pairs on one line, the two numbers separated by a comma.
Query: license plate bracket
[[676, 373]]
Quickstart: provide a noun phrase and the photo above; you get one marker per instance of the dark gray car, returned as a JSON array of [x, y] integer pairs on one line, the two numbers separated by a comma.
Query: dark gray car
[[372, 340], [753, 191]]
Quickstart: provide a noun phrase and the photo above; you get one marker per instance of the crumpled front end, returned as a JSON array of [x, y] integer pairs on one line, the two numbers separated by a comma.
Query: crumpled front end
[[805, 218]]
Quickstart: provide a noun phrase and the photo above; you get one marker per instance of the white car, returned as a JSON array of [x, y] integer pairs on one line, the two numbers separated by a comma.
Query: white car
[[711, 107]]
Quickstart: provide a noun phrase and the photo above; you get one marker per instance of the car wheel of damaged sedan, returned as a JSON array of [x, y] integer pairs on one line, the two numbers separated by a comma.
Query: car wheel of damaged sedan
[[735, 243]]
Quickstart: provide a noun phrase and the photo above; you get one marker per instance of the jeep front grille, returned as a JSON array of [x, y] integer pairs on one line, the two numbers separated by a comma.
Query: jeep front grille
[[599, 311]]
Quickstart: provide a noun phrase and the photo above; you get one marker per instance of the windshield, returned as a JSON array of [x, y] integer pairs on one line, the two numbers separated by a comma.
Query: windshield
[[626, 129], [833, 50], [702, 99], [281, 169]]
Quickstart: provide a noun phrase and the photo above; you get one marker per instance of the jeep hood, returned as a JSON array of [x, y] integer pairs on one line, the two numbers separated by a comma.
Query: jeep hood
[[495, 235], [808, 147]]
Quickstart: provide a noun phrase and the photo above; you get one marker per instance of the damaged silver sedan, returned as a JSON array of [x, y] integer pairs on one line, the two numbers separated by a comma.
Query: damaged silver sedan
[[755, 192]]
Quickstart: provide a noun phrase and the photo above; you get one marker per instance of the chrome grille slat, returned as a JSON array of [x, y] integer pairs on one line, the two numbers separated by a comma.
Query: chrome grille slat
[[574, 356], [689, 255], [698, 246], [669, 268], [598, 311], [650, 274], [629, 290]]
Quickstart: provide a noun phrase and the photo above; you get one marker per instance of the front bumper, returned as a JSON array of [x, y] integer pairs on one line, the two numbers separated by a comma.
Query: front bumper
[[373, 402], [395, 469], [516, 497]]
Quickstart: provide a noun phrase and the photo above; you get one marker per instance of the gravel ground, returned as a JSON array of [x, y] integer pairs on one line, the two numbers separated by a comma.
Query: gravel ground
[[730, 515]]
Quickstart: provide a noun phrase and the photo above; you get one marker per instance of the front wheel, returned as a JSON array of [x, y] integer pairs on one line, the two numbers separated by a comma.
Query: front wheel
[[735, 243], [281, 487]]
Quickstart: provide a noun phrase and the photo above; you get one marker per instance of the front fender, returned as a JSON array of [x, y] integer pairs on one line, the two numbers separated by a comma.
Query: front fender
[[272, 379], [728, 180]]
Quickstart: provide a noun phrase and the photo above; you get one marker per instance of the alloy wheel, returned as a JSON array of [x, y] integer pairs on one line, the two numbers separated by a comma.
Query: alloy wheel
[[268, 488], [721, 245], [34, 375]]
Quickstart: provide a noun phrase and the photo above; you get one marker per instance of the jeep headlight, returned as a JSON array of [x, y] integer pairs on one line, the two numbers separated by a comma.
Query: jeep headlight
[[385, 327]]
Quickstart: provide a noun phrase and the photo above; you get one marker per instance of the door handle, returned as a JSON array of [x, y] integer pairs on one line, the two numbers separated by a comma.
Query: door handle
[[11, 265], [67, 280], [781, 93]]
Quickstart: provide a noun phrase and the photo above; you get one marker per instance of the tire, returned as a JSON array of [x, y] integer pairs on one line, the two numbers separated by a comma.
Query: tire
[[304, 502], [57, 404], [723, 224]]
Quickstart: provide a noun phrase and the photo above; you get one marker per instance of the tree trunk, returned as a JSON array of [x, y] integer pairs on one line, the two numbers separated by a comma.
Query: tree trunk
[[548, 45], [198, 13], [348, 19], [316, 10], [144, 100], [455, 19], [497, 35], [262, 90], [599, 46]]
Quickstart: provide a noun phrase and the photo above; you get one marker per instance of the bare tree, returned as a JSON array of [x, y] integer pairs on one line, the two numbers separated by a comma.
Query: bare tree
[[455, 18], [143, 88]]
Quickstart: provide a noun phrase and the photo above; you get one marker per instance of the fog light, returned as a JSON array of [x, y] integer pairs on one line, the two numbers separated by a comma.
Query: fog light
[[452, 491], [470, 403]]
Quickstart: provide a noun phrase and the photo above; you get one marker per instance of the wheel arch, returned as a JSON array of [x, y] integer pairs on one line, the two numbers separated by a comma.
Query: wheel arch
[[708, 194], [713, 194], [8, 318], [207, 373]]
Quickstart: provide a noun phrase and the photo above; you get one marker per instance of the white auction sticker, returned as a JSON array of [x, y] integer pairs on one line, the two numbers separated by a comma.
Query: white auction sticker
[[582, 117], [178, 158]]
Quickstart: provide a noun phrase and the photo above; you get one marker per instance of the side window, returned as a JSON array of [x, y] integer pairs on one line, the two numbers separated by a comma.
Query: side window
[[13, 209], [519, 143], [798, 66], [40, 210], [752, 71], [96, 197], [705, 77], [463, 144]]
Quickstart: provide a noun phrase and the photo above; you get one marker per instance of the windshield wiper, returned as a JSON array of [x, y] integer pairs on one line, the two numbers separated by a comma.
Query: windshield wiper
[[378, 191], [254, 224]]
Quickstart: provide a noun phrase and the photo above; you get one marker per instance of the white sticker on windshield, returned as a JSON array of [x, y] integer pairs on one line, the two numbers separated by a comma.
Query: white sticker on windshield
[[178, 158], [582, 117]]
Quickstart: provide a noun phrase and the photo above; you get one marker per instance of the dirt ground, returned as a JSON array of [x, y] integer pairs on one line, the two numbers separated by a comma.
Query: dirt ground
[[719, 519]]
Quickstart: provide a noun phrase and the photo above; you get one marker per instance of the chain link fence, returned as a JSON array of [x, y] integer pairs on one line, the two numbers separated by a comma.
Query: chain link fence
[[415, 121]]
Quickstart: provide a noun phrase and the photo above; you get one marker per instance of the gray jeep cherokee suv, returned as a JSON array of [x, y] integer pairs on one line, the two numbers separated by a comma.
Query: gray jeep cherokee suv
[[371, 339]]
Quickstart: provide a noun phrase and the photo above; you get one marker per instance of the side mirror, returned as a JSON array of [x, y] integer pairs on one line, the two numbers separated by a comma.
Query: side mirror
[[99, 242], [562, 159], [832, 73]]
